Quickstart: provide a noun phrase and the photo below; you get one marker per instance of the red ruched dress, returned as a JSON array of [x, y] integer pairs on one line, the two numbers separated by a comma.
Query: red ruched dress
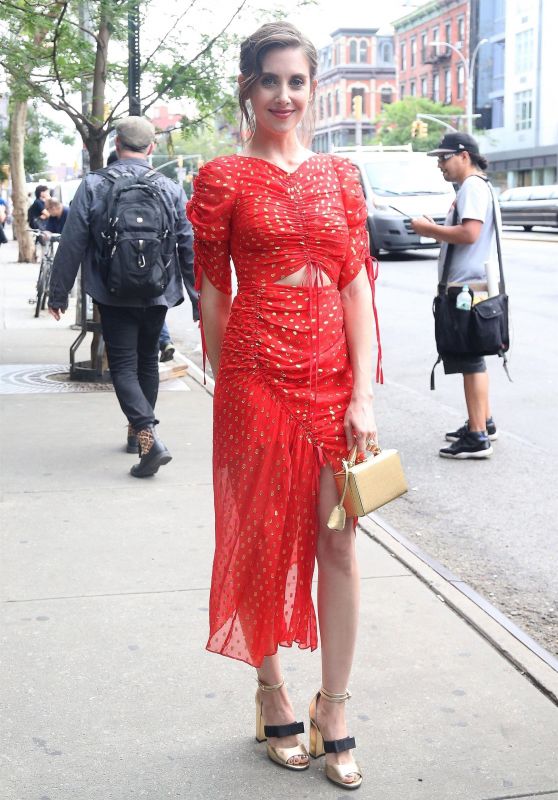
[[283, 386]]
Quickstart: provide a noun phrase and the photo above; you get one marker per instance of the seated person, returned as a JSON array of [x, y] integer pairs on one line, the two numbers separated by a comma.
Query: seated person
[[55, 214], [37, 207]]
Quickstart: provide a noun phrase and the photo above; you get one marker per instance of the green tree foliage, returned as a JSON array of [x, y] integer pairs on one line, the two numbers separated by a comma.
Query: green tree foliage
[[59, 51], [39, 129], [395, 123]]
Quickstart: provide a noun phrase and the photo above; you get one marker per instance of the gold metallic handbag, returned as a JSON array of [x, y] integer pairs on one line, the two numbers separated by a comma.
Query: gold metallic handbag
[[366, 486]]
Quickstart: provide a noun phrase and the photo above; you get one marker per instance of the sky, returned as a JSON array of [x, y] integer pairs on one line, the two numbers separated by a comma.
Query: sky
[[317, 21]]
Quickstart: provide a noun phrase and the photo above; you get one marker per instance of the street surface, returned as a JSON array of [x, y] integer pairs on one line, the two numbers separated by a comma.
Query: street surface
[[492, 523]]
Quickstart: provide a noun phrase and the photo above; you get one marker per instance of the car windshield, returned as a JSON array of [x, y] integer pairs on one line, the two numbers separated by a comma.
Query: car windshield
[[395, 178]]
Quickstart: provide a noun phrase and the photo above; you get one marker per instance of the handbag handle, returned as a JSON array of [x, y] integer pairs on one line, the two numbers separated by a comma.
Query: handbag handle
[[338, 516]]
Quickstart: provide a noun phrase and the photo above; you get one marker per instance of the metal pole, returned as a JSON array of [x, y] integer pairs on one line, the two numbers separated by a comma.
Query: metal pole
[[469, 66], [134, 107]]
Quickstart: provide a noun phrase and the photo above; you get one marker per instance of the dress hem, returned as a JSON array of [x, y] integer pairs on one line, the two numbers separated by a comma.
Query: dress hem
[[301, 646]]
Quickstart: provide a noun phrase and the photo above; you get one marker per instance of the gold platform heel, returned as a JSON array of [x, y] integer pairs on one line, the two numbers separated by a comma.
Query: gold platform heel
[[280, 755], [336, 773]]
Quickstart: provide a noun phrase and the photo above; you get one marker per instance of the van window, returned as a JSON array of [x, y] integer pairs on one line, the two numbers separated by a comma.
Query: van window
[[406, 177]]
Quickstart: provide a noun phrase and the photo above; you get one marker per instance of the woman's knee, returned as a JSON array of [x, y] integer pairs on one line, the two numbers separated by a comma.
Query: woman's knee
[[336, 549]]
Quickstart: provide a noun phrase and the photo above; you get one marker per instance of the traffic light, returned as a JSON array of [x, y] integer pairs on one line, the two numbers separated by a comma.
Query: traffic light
[[357, 106], [414, 127], [422, 129]]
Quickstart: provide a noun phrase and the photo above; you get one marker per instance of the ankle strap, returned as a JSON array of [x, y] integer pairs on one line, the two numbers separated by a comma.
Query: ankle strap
[[267, 687], [335, 698]]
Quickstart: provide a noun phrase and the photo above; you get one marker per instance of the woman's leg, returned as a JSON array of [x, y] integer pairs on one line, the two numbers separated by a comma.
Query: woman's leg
[[277, 708], [338, 605]]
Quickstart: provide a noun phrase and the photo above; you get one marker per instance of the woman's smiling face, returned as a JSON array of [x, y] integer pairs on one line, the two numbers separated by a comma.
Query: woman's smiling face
[[281, 94]]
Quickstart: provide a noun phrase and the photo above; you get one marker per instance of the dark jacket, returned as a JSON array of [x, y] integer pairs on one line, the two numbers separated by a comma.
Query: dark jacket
[[56, 224], [81, 243], [34, 214]]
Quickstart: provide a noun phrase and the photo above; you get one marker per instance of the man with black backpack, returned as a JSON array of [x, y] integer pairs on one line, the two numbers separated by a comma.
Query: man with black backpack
[[127, 228]]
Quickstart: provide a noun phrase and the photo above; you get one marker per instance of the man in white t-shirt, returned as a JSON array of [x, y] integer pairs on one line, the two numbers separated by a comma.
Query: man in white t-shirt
[[474, 243]]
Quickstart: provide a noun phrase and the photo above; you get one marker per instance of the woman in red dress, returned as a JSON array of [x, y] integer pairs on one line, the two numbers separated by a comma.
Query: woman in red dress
[[292, 360]]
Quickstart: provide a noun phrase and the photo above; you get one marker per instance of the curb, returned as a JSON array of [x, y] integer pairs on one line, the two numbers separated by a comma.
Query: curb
[[534, 662]]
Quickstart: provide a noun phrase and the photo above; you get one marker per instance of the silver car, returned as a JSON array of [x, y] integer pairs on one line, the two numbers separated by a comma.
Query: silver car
[[398, 185], [529, 206]]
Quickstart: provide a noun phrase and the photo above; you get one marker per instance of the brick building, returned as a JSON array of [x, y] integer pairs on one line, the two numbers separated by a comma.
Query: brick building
[[433, 71], [357, 62]]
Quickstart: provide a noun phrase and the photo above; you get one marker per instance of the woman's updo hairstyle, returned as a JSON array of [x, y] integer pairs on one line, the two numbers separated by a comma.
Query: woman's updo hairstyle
[[253, 50]]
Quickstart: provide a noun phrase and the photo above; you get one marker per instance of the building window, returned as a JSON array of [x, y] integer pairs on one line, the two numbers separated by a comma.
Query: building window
[[337, 53], [321, 112], [363, 51], [447, 87], [436, 38], [423, 47], [402, 91], [357, 93], [337, 103], [386, 96], [436, 87], [460, 82], [448, 32], [413, 51], [424, 86], [386, 52], [498, 112], [353, 51], [524, 110], [498, 66], [460, 32], [413, 89], [524, 45], [329, 107], [403, 56]]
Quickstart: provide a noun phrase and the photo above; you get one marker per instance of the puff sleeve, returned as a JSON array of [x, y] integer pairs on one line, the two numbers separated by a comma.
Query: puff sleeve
[[210, 211], [358, 250]]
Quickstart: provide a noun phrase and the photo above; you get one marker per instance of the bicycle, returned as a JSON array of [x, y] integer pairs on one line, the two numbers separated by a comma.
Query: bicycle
[[45, 268]]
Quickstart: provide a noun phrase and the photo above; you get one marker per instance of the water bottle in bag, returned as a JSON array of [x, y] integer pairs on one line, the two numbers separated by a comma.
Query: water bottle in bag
[[463, 301]]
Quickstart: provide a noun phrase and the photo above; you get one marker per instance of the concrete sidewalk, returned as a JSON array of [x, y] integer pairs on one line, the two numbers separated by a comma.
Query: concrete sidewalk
[[107, 691]]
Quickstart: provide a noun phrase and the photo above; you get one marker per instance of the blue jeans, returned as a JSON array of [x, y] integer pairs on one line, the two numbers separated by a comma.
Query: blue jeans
[[165, 337], [132, 340]]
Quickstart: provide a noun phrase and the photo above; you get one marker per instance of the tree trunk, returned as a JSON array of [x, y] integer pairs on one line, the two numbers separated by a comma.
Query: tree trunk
[[19, 193], [95, 145]]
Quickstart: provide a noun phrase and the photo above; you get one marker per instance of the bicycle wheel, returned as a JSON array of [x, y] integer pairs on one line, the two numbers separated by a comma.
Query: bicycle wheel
[[46, 286], [41, 286]]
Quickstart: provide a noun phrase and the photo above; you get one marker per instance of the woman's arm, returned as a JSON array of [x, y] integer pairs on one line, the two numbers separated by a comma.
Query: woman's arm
[[215, 311], [356, 298]]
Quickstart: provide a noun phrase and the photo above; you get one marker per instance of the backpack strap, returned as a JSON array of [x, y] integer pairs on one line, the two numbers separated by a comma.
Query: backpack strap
[[442, 286], [496, 232]]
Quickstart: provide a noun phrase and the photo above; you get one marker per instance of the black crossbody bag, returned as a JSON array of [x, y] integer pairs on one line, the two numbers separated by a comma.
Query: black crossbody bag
[[482, 331]]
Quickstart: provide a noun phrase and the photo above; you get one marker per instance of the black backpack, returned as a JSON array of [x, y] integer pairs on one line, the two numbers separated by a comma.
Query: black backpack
[[139, 240]]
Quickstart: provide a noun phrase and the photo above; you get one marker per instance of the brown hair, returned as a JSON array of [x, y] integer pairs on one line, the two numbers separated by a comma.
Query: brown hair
[[268, 37]]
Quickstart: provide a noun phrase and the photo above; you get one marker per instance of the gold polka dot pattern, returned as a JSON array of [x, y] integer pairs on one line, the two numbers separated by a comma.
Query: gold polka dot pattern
[[283, 387]]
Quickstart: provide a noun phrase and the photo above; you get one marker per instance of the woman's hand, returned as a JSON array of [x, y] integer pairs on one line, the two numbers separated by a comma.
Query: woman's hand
[[360, 424]]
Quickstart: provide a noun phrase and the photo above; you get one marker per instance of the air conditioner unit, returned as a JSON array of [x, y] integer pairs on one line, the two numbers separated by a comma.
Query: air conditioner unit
[[459, 45]]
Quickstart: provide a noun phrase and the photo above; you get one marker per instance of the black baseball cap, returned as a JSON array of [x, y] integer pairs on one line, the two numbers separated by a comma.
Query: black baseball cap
[[456, 142]]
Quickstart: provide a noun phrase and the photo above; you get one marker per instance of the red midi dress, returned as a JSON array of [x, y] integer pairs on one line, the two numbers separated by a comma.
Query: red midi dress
[[283, 386]]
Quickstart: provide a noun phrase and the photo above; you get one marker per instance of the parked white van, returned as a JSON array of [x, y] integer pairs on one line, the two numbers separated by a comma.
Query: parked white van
[[399, 184]]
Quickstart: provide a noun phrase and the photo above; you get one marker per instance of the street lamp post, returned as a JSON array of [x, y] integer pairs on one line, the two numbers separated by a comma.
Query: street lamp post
[[469, 66]]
